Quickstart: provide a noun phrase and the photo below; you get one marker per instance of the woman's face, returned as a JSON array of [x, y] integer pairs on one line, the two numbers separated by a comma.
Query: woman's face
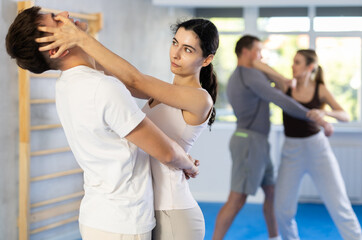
[[300, 69], [185, 53]]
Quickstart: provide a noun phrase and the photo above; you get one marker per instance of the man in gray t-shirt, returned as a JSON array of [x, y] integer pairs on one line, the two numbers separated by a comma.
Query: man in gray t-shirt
[[250, 92]]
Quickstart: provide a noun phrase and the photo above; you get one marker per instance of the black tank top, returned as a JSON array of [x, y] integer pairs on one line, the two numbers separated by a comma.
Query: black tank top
[[295, 127]]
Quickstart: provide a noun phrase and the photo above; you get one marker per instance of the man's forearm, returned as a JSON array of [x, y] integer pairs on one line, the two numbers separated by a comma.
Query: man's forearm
[[179, 159], [157, 144]]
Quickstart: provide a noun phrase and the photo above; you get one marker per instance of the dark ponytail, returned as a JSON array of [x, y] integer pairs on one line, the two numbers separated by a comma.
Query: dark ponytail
[[319, 76], [209, 43], [208, 82]]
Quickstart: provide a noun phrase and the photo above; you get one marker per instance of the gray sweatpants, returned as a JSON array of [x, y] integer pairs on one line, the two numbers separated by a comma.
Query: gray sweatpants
[[252, 166]]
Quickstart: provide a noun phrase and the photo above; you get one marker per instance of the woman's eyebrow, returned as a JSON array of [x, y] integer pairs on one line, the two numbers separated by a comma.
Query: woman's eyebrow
[[185, 44], [190, 47]]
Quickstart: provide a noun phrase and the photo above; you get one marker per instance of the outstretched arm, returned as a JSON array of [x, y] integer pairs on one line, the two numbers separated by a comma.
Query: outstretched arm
[[281, 82], [135, 93], [194, 100], [259, 84]]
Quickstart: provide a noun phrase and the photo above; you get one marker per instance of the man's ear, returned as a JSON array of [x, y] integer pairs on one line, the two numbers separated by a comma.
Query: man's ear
[[53, 51], [244, 51], [208, 60]]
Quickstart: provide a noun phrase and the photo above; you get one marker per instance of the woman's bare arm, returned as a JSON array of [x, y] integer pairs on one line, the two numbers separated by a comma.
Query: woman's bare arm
[[337, 111], [194, 100]]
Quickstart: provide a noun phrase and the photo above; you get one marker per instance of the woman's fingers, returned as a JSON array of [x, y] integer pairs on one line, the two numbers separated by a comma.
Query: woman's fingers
[[46, 39], [62, 18], [50, 46], [82, 25], [66, 22], [47, 29], [59, 53]]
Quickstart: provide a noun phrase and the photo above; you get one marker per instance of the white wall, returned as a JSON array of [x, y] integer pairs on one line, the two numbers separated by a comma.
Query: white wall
[[136, 30], [8, 130]]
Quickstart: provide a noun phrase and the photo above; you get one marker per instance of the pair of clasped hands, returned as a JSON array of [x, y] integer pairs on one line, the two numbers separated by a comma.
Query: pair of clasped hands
[[68, 34]]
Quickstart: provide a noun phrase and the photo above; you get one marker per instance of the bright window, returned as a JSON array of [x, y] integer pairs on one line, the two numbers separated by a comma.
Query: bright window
[[340, 59], [340, 24], [336, 35], [284, 24], [229, 24], [225, 63]]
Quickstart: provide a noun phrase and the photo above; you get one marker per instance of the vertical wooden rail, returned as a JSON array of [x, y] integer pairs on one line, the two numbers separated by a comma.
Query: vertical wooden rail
[[24, 154], [95, 25], [24, 144]]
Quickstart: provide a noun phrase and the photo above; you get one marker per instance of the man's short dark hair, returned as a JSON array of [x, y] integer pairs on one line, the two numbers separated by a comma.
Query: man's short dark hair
[[21, 45], [246, 41]]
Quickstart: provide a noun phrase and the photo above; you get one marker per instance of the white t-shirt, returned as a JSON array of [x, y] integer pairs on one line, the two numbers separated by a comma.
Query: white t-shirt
[[171, 189], [97, 112]]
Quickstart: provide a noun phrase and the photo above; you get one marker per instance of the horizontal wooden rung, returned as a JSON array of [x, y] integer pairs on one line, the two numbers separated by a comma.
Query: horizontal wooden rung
[[50, 151], [56, 200], [54, 225], [56, 175], [54, 211], [41, 101], [45, 75], [45, 127]]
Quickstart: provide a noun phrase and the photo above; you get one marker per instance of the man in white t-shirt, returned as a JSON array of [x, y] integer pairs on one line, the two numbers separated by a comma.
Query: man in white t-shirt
[[106, 131]]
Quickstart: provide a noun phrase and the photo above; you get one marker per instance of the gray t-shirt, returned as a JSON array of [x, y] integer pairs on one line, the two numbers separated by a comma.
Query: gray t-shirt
[[249, 93]]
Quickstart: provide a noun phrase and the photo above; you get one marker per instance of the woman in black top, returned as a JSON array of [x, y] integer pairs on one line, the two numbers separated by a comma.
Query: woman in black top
[[307, 150]]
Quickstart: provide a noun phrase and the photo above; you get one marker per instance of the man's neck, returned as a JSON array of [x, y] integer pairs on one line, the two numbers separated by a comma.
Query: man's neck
[[244, 62], [77, 58]]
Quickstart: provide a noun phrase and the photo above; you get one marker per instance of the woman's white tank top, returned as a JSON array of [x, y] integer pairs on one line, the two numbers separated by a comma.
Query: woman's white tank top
[[170, 187]]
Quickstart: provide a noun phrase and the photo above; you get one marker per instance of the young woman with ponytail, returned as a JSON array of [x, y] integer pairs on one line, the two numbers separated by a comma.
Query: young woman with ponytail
[[307, 150], [181, 109]]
